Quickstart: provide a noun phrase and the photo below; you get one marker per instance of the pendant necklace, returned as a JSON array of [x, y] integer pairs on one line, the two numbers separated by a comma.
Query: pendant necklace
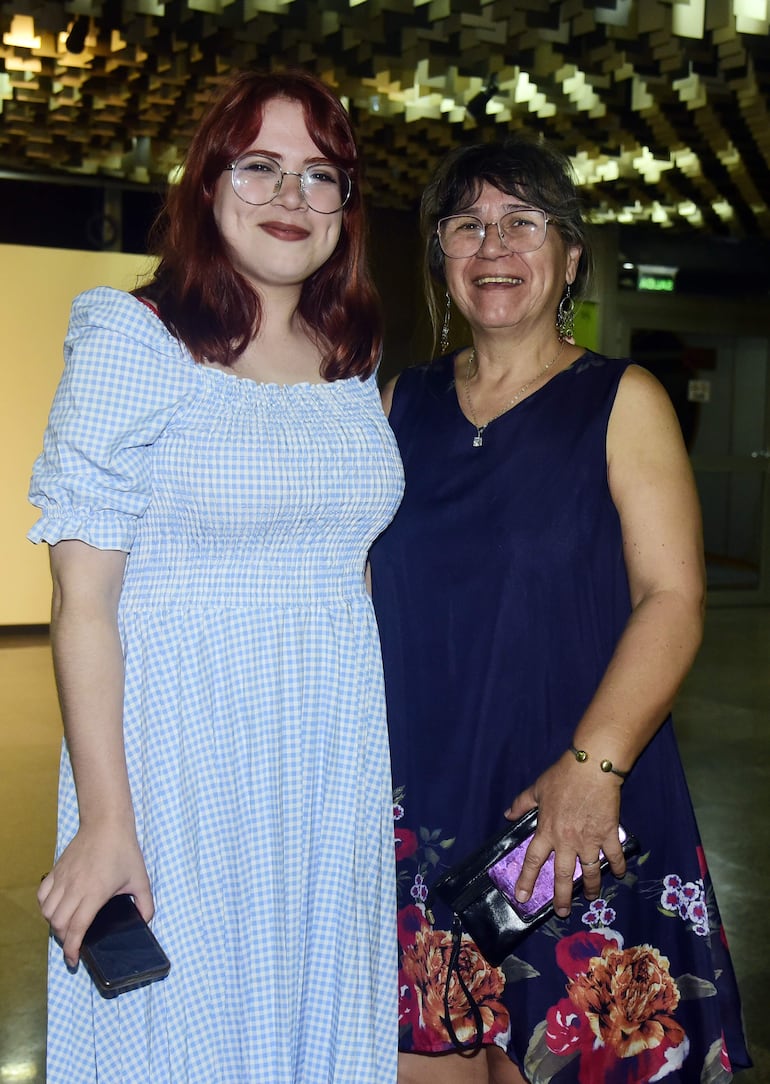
[[478, 440]]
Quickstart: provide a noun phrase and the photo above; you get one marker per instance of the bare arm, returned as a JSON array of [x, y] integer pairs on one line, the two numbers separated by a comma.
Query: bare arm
[[387, 395], [104, 857], [653, 489]]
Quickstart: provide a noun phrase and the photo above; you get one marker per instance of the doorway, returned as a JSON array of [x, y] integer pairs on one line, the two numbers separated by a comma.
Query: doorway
[[720, 388]]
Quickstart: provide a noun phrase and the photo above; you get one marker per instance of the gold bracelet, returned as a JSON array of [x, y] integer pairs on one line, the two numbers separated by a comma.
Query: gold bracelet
[[606, 765]]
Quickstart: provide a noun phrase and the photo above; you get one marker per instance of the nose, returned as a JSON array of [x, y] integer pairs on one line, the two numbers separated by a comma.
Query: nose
[[290, 193], [492, 245]]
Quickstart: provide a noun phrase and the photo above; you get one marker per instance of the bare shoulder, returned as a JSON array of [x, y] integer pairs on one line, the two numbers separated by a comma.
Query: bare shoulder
[[638, 387], [646, 453], [642, 412], [387, 395]]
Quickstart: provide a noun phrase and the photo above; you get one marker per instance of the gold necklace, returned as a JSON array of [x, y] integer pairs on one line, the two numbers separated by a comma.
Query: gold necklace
[[478, 440]]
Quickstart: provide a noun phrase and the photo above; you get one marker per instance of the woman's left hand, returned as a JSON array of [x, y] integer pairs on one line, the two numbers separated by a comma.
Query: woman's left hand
[[577, 818]]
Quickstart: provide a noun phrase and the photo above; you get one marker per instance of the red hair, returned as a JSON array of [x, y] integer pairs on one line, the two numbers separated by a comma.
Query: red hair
[[201, 298]]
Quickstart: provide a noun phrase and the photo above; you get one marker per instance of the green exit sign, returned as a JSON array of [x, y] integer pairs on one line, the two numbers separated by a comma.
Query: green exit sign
[[660, 280]]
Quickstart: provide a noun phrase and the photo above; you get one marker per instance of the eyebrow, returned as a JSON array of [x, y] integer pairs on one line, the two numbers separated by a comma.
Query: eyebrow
[[315, 160], [505, 209]]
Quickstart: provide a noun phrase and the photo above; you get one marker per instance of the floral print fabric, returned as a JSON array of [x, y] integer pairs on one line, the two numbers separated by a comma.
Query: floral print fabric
[[619, 1019]]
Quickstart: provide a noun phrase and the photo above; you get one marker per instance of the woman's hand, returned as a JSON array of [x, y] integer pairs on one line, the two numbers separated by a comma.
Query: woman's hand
[[99, 863], [578, 816]]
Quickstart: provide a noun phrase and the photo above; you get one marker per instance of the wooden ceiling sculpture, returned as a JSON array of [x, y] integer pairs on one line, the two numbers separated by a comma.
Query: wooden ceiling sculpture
[[663, 105]]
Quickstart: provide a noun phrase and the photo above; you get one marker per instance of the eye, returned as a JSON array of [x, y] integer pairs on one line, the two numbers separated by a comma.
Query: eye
[[466, 225], [322, 175], [258, 165], [522, 220]]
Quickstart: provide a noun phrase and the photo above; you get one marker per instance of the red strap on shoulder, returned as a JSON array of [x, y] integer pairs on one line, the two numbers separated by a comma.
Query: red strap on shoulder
[[149, 304]]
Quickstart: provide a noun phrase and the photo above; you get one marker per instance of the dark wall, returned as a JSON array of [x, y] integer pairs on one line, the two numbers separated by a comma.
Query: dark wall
[[79, 216], [395, 258], [707, 266]]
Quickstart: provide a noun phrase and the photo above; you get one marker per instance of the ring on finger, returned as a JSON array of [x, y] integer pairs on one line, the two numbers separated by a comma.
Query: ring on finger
[[587, 865]]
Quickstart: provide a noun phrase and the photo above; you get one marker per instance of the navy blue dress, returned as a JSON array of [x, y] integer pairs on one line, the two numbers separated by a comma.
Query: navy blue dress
[[501, 592]]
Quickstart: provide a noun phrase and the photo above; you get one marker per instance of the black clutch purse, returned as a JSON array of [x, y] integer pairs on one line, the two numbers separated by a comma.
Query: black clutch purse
[[480, 893]]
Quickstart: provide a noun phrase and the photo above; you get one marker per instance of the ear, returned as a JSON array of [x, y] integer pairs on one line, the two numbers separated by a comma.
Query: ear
[[574, 252]]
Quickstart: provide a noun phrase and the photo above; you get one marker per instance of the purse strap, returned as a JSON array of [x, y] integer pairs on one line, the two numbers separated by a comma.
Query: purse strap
[[466, 1049]]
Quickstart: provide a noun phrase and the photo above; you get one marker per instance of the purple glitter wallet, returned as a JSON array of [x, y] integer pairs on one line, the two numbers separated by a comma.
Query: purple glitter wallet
[[480, 890]]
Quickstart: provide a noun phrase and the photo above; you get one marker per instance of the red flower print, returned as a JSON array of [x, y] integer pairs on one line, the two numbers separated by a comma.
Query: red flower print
[[410, 920], [406, 843], [423, 975], [573, 954], [563, 1028], [620, 1005], [724, 1057]]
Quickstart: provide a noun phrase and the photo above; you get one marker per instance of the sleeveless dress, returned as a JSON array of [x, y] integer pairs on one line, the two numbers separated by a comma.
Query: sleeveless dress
[[254, 719], [500, 591]]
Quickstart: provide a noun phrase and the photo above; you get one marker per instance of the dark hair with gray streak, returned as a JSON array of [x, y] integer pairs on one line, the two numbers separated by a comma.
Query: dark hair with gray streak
[[532, 170]]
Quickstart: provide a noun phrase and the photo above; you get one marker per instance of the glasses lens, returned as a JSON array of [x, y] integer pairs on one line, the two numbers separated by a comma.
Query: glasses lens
[[460, 235], [523, 230], [326, 188], [256, 179]]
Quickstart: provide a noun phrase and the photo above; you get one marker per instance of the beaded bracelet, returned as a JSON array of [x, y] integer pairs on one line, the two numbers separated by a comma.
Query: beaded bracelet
[[606, 765]]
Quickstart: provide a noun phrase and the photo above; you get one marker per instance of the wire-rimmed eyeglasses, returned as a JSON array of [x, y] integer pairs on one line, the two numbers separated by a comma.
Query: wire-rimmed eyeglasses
[[257, 179], [520, 230]]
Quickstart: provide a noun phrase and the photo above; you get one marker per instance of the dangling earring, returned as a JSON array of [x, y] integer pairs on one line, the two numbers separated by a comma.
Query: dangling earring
[[565, 316], [444, 340]]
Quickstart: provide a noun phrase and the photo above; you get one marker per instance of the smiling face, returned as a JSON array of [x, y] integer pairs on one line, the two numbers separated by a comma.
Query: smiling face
[[496, 289], [277, 245]]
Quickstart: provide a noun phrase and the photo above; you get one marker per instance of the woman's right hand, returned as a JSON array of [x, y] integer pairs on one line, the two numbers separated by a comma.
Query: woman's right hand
[[99, 862]]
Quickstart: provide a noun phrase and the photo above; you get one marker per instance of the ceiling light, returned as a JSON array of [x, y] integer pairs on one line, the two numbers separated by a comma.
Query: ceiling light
[[22, 33]]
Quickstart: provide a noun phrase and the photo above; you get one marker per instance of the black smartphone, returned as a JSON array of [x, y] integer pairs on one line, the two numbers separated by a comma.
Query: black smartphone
[[120, 951], [505, 873]]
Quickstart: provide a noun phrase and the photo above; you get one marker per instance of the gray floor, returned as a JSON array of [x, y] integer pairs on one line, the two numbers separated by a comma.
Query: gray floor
[[723, 722], [723, 725]]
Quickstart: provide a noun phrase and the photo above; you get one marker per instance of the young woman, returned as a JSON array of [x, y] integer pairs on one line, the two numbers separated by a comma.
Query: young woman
[[215, 468]]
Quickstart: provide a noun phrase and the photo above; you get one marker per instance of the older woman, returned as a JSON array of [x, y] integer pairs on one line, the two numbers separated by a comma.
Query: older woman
[[540, 599]]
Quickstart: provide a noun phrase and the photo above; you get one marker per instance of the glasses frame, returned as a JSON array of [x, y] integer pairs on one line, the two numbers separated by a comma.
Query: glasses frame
[[485, 226], [232, 167]]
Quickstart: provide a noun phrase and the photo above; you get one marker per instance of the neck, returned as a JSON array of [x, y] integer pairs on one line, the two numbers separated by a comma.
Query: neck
[[280, 305], [490, 395], [504, 364]]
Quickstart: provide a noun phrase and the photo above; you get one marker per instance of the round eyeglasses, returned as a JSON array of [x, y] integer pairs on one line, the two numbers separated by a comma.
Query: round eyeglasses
[[520, 230], [257, 179]]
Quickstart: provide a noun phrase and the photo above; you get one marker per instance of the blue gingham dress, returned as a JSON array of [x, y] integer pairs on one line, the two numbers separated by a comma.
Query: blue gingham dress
[[254, 712]]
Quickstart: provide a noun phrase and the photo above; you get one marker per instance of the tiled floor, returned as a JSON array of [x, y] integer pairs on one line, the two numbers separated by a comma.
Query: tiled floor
[[723, 721]]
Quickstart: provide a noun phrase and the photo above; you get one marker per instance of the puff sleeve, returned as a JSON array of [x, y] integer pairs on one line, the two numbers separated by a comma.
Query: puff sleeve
[[125, 378]]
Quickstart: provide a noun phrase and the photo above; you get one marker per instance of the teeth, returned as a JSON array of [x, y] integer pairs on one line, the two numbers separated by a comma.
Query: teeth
[[504, 279]]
